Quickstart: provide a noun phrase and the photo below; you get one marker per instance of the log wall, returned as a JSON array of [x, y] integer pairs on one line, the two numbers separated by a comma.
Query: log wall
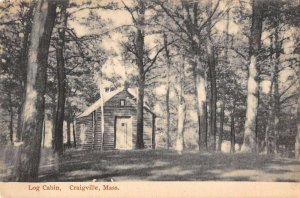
[[91, 124]]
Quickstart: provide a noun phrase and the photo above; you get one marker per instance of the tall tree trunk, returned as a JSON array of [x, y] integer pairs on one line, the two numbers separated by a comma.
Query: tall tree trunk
[[11, 125], [101, 90], [211, 61], [206, 125], [221, 130], [23, 66], [249, 144], [276, 91], [44, 133], [213, 98], [53, 121], [258, 114], [168, 90], [232, 128], [297, 144], [96, 137], [140, 117], [102, 118], [139, 42], [11, 118], [168, 115], [221, 126], [61, 79], [269, 120], [74, 134], [153, 132], [34, 106], [200, 85], [180, 129], [270, 113], [68, 133], [232, 135], [181, 113], [199, 73], [19, 121]]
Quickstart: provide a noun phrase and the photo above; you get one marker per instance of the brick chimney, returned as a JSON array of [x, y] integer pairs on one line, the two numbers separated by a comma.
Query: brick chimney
[[126, 85]]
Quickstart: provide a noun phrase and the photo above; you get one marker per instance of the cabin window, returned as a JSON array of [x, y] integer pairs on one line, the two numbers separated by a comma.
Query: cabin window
[[122, 103]]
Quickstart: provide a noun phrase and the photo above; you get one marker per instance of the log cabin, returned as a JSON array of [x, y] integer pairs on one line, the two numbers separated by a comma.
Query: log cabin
[[119, 122]]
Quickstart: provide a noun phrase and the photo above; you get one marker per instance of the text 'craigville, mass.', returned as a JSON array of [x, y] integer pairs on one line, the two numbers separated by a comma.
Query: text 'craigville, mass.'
[[93, 187]]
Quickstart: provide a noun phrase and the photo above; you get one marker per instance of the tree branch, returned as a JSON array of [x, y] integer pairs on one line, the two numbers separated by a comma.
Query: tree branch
[[176, 22], [107, 7], [288, 98], [293, 83], [155, 57], [131, 13], [209, 18]]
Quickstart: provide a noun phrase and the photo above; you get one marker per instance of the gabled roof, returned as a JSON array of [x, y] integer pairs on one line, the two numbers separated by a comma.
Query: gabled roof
[[106, 97]]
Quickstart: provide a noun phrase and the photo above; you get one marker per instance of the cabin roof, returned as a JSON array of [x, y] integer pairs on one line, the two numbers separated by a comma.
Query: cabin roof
[[106, 97]]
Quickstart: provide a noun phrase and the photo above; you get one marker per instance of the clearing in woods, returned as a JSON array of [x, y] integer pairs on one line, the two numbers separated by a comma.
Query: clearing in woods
[[163, 165]]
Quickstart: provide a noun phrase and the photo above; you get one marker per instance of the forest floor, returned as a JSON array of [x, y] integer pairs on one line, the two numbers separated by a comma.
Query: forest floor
[[163, 165], [157, 165]]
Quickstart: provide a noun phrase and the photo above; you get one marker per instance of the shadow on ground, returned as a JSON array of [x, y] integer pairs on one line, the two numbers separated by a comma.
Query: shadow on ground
[[162, 165]]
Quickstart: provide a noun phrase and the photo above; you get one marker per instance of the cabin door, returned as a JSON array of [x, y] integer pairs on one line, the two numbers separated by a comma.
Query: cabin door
[[123, 133]]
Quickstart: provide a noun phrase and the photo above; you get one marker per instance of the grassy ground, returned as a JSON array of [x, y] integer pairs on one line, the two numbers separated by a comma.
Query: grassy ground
[[156, 165], [162, 165]]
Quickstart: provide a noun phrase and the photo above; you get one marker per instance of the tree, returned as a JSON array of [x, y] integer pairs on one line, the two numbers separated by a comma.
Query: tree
[[282, 94], [249, 144], [15, 31], [139, 43], [181, 109], [189, 21], [211, 61], [232, 127], [61, 78], [70, 66], [297, 144], [221, 129], [136, 46], [9, 103], [23, 62], [168, 88], [33, 111], [222, 91]]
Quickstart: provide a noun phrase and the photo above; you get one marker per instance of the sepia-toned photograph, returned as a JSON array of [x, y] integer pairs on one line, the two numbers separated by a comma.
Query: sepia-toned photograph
[[160, 90]]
